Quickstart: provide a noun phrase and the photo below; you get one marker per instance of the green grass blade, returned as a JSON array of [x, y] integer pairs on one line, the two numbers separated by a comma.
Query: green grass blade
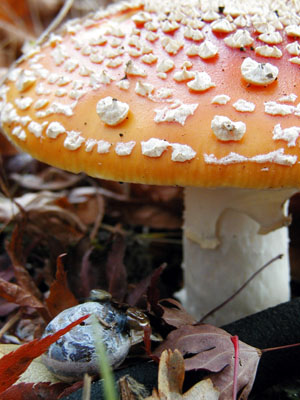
[[109, 388]]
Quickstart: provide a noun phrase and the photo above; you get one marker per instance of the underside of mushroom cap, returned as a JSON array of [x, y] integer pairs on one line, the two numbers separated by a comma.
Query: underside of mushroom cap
[[165, 93]]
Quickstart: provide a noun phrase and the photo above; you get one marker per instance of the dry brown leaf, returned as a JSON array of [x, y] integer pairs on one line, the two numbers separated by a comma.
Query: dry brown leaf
[[171, 377], [153, 216], [60, 296], [18, 295], [210, 348], [16, 252], [115, 269], [158, 207], [147, 289], [87, 203], [130, 389], [41, 202], [48, 179], [41, 212], [174, 313]]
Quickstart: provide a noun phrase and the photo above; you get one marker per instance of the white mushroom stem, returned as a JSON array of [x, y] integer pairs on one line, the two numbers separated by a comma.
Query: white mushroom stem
[[228, 235]]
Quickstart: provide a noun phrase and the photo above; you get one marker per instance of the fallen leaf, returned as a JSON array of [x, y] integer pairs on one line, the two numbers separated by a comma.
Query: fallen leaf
[[16, 294], [29, 201], [26, 292], [130, 389], [158, 207], [38, 207], [115, 268], [6, 308], [153, 293], [86, 274], [70, 389], [13, 364], [153, 216], [210, 348], [88, 271], [36, 371], [171, 377], [17, 256], [174, 314], [34, 391], [48, 179], [87, 203], [60, 296], [145, 287], [46, 227]]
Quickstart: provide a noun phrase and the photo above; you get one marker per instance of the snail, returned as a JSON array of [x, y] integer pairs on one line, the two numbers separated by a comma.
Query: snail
[[73, 355]]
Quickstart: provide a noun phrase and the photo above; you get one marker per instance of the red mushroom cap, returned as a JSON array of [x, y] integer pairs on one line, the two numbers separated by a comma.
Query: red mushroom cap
[[165, 92]]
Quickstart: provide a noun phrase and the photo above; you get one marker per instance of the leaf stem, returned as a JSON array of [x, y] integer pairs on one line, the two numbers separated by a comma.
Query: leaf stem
[[56, 21], [287, 346]]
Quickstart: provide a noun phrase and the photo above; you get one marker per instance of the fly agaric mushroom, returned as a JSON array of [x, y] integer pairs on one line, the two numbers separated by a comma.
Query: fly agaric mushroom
[[174, 93]]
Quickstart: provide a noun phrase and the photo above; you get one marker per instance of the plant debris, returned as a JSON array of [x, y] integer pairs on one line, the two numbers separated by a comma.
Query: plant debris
[[206, 347], [170, 381]]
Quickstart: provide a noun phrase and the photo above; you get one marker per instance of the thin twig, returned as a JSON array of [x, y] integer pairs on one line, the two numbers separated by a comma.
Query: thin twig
[[87, 383], [57, 20], [10, 323], [241, 288]]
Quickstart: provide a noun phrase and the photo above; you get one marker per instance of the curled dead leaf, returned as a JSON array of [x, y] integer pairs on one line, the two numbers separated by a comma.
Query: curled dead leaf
[[130, 389], [40, 203], [16, 294], [170, 381], [48, 179], [174, 313]]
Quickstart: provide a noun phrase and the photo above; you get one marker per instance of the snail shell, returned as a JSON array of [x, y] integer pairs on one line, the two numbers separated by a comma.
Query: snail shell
[[73, 355]]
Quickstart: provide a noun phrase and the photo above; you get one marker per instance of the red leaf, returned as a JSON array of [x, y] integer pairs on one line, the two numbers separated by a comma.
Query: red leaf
[[60, 296], [13, 364], [34, 391], [70, 389]]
